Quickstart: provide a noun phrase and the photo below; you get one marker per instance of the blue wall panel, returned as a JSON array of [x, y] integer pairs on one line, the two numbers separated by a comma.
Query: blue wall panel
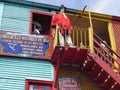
[[16, 17], [1, 12], [15, 25], [14, 71]]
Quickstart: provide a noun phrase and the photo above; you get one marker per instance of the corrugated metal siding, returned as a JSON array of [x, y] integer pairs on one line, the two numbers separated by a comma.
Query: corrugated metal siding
[[1, 11], [116, 30], [17, 17], [14, 71]]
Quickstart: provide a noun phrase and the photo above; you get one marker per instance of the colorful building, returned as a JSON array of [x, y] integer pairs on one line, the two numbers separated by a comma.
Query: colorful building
[[31, 61]]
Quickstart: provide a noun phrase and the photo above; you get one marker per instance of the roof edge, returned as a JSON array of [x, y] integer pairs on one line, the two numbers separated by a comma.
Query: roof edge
[[33, 4], [56, 8]]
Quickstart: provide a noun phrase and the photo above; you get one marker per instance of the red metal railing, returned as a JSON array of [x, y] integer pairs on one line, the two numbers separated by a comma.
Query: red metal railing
[[110, 57]]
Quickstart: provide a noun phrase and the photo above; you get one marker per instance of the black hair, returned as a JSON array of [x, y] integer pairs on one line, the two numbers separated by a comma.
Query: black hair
[[62, 6]]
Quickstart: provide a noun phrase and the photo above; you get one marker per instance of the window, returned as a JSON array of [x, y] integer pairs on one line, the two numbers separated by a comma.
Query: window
[[40, 23], [38, 85]]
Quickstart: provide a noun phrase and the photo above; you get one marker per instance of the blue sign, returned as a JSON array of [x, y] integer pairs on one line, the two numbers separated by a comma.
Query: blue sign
[[25, 45]]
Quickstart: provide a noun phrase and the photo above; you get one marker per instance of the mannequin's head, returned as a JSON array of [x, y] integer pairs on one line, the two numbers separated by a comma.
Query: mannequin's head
[[62, 9]]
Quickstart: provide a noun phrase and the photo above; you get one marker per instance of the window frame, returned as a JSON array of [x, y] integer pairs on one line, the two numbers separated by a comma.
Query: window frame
[[38, 82], [41, 13]]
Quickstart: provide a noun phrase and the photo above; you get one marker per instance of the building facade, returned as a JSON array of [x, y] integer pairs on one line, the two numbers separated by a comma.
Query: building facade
[[29, 61]]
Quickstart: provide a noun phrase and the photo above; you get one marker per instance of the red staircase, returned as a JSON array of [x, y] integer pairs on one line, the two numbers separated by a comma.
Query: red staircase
[[101, 73], [104, 69], [99, 66]]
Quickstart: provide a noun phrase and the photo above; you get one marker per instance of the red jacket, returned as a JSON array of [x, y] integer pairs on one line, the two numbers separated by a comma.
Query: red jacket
[[63, 22]]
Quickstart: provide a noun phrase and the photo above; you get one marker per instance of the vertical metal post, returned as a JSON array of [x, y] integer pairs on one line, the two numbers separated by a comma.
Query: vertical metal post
[[85, 44], [77, 38], [90, 30], [73, 36], [55, 36]]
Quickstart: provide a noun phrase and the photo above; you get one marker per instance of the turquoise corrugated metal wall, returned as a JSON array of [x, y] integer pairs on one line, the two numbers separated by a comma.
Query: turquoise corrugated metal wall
[[16, 17], [14, 71], [1, 11]]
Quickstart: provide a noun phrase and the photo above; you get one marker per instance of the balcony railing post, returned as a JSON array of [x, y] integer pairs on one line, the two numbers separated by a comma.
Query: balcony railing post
[[90, 32], [55, 36]]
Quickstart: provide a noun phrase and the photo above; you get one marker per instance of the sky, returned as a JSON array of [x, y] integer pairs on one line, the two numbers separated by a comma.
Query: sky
[[111, 7]]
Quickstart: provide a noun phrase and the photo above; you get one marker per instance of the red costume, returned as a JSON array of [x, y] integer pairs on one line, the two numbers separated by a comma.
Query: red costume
[[63, 22]]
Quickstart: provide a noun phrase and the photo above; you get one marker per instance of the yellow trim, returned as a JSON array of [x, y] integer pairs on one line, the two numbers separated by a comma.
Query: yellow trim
[[55, 36], [77, 38], [111, 36], [112, 42], [85, 38], [94, 18], [90, 32], [81, 36], [101, 17], [73, 37], [78, 13]]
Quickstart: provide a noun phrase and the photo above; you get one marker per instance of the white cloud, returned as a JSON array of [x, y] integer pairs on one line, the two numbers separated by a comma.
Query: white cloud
[[101, 5], [110, 7]]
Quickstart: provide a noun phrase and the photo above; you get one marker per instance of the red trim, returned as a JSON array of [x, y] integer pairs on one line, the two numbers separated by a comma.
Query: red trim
[[57, 68], [27, 85], [30, 23], [39, 12], [31, 18], [55, 75], [38, 82], [39, 58], [115, 18]]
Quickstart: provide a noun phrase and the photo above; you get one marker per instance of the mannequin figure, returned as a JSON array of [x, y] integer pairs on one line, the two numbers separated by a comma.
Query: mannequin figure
[[64, 26], [36, 27]]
